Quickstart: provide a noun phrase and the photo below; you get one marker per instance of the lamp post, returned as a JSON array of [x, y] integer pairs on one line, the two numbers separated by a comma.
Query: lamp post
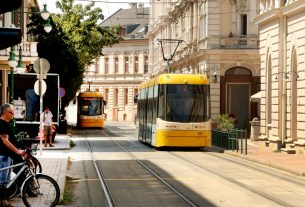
[[12, 63], [89, 82]]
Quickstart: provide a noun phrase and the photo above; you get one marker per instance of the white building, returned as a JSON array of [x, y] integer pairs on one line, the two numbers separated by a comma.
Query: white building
[[19, 18], [220, 39], [119, 72], [282, 38]]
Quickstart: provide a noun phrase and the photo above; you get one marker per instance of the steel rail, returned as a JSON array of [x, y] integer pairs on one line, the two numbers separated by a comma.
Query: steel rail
[[109, 198], [185, 199]]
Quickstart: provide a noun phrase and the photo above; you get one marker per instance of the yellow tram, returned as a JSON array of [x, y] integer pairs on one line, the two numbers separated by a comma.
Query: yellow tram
[[174, 111], [91, 110]]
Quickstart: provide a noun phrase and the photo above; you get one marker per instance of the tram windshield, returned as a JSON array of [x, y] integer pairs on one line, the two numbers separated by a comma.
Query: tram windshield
[[91, 106], [187, 103]]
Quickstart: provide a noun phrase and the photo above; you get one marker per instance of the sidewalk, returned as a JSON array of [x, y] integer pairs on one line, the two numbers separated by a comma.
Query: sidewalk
[[293, 163], [54, 161]]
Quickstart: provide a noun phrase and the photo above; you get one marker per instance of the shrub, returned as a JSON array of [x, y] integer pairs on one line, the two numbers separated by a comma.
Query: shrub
[[225, 122]]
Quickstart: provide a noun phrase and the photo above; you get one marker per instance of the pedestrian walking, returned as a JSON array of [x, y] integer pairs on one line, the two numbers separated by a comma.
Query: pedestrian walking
[[7, 150], [47, 123]]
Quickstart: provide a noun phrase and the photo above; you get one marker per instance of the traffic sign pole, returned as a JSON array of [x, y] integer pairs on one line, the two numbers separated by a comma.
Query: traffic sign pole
[[41, 104], [41, 67]]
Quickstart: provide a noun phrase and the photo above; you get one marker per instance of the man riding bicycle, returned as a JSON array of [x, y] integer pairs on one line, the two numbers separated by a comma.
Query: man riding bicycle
[[7, 149]]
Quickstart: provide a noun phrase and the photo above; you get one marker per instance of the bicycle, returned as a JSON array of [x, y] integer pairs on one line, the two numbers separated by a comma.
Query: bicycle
[[45, 188], [14, 188]]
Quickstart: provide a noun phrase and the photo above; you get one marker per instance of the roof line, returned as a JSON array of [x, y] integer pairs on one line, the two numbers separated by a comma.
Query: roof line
[[112, 15]]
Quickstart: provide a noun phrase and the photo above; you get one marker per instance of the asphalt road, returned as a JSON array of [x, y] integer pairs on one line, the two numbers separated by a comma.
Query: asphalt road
[[204, 178]]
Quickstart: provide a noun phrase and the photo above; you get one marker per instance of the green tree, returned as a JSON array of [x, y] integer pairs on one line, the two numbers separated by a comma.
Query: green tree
[[79, 23], [73, 43]]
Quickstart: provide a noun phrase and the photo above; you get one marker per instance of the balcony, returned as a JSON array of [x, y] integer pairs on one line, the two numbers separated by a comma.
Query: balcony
[[29, 49], [241, 42]]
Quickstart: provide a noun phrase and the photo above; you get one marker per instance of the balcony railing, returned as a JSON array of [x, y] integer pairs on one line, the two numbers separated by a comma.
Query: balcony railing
[[241, 42], [29, 49]]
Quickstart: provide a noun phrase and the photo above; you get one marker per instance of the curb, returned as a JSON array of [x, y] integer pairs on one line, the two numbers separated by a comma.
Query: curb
[[270, 164], [252, 159], [62, 178]]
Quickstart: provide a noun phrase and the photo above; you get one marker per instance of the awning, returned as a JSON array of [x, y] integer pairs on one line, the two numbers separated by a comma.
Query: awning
[[256, 97], [10, 5], [9, 37]]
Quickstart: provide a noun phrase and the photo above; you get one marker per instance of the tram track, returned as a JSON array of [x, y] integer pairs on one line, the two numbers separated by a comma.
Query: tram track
[[257, 167], [103, 180], [235, 181], [115, 138], [155, 174], [243, 185], [109, 198]]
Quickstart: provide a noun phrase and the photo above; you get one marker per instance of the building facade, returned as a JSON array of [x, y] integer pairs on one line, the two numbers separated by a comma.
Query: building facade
[[216, 38], [281, 26], [118, 73], [18, 18]]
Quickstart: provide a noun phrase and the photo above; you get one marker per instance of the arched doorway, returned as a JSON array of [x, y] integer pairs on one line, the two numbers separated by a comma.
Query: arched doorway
[[237, 85]]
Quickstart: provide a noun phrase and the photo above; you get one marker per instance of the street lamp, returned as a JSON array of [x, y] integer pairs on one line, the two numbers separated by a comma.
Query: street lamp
[[45, 14], [89, 81], [12, 63], [20, 68]]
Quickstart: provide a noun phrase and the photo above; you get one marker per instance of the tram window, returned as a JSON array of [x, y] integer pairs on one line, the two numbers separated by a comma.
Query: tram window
[[161, 112], [91, 106], [155, 103], [193, 98]]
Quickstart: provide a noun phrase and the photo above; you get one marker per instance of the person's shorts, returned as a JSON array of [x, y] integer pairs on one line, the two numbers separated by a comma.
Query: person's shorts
[[5, 161], [47, 130]]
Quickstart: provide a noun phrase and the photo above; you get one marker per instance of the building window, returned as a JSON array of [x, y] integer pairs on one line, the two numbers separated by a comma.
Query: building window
[[116, 97], [116, 65], [244, 24], [126, 65], [106, 95], [106, 65], [125, 96], [136, 64], [145, 64], [269, 92], [135, 95]]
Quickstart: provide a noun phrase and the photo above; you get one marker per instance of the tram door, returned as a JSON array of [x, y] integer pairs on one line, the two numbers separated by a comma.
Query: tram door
[[238, 103]]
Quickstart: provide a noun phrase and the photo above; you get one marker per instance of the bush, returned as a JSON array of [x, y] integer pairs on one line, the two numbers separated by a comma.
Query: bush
[[224, 122]]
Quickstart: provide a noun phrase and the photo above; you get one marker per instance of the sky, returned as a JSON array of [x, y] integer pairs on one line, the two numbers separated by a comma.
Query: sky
[[108, 6]]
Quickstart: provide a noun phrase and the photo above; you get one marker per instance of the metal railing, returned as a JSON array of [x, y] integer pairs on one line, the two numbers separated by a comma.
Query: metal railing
[[235, 139]]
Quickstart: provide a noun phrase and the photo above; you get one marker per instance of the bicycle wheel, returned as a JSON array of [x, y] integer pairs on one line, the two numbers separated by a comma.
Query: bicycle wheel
[[38, 167], [47, 191]]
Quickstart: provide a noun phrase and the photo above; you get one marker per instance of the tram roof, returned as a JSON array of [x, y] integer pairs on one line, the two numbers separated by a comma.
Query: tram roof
[[90, 94], [176, 79]]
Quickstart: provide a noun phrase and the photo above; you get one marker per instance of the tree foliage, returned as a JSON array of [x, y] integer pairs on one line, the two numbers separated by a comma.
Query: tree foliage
[[79, 23], [73, 43]]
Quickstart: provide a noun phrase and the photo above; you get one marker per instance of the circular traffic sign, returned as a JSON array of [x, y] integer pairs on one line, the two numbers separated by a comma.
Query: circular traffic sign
[[43, 87], [41, 64], [62, 92]]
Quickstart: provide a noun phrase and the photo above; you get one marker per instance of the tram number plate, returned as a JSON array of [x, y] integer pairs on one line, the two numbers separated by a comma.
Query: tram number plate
[[200, 133]]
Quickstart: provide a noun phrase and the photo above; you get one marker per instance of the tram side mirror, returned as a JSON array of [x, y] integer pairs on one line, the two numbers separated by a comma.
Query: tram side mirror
[[104, 102], [135, 98]]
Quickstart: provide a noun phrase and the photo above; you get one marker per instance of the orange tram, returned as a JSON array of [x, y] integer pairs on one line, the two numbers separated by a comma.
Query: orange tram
[[90, 110]]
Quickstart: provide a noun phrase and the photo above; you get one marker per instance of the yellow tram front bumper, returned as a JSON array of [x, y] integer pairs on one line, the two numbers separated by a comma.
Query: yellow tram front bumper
[[186, 138]]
